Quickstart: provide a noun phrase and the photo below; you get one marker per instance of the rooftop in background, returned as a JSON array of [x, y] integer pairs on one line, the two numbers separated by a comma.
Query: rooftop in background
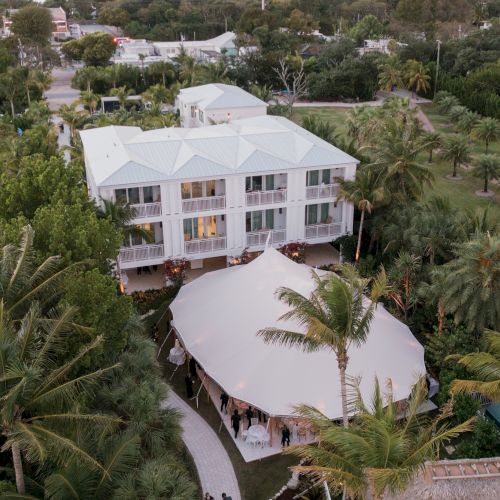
[[123, 155], [219, 95], [224, 41]]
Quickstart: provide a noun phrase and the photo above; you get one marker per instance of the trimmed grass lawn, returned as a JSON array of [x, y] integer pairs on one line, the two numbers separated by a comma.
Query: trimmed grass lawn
[[258, 480], [461, 193]]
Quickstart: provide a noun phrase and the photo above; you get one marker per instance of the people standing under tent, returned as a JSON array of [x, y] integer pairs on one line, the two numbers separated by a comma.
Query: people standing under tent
[[224, 398], [249, 414], [285, 436], [189, 386], [235, 423], [192, 368]]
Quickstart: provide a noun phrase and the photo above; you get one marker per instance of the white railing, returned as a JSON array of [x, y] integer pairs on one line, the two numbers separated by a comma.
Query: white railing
[[324, 191], [323, 230], [259, 238], [266, 197], [205, 245], [202, 204], [146, 210], [143, 252]]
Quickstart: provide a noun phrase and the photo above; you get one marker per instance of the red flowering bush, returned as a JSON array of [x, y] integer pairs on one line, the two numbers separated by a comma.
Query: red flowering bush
[[295, 251], [175, 270]]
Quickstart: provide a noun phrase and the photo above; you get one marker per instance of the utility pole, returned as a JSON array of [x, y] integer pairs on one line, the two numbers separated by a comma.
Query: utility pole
[[437, 68]]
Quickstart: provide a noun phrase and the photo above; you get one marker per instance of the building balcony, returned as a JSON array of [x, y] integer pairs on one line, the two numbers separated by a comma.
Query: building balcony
[[259, 238], [205, 245], [314, 231], [143, 210], [322, 191], [202, 204], [142, 252], [255, 198]]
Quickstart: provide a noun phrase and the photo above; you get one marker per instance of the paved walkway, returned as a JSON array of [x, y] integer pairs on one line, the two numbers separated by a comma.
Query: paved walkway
[[215, 469], [60, 91]]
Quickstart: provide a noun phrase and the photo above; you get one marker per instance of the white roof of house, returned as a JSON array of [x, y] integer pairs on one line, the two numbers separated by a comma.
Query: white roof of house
[[219, 96], [226, 40], [218, 315], [118, 155]]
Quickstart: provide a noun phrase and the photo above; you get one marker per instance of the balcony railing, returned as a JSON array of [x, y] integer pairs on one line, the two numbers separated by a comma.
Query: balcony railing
[[206, 245], [143, 252], [266, 197], [202, 204], [323, 230], [146, 210], [259, 238], [324, 191]]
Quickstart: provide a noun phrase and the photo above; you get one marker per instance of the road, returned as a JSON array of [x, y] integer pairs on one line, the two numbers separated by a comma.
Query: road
[[60, 91]]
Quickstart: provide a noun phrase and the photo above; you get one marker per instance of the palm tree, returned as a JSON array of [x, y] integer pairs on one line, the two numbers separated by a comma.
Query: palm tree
[[72, 117], [39, 386], [381, 451], [487, 130], [447, 102], [484, 367], [156, 94], [114, 73], [40, 389], [188, 69], [467, 122], [390, 74], [163, 68], [396, 161], [456, 112], [456, 148], [364, 193], [27, 77], [433, 293], [487, 167], [323, 129], [262, 92], [473, 283], [90, 100], [87, 76], [431, 140], [417, 76], [122, 94], [334, 317], [8, 88]]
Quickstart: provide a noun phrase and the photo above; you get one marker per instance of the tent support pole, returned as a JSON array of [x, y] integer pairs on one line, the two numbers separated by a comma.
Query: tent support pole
[[270, 428], [163, 343], [199, 390]]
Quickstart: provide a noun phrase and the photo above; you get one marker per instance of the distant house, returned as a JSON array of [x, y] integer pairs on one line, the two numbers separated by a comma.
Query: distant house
[[216, 103], [201, 50], [59, 22], [112, 103]]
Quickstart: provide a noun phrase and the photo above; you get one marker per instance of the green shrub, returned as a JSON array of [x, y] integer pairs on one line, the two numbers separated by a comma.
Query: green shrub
[[147, 300], [482, 442]]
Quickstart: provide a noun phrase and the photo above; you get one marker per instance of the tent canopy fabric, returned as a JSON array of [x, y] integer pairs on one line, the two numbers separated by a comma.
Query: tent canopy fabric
[[217, 317]]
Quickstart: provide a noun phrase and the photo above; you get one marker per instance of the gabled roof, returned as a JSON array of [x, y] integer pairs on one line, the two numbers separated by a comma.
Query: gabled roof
[[219, 96], [126, 155]]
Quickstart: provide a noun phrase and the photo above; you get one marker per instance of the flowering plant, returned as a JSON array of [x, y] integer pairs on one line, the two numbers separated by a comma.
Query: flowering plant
[[295, 251], [175, 270]]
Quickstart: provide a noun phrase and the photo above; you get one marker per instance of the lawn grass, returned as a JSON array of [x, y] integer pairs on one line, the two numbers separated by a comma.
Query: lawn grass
[[258, 480], [461, 193]]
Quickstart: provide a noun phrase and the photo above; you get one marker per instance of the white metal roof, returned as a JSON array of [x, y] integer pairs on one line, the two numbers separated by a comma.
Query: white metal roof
[[218, 315], [219, 96], [118, 155], [226, 40]]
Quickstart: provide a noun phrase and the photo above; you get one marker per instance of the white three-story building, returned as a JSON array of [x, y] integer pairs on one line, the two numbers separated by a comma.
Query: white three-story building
[[216, 190]]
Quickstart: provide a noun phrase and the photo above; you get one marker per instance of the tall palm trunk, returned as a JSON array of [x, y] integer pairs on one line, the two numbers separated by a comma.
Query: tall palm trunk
[[441, 314], [486, 183], [342, 360], [454, 168], [28, 95], [18, 468], [430, 156], [12, 110], [360, 232]]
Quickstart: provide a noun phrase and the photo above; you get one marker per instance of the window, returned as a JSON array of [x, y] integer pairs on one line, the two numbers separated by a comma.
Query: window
[[193, 112], [121, 195], [317, 214], [196, 190], [269, 182], [133, 196], [190, 229], [270, 219], [148, 194], [312, 178], [324, 213], [311, 214], [200, 116], [254, 183], [325, 176]]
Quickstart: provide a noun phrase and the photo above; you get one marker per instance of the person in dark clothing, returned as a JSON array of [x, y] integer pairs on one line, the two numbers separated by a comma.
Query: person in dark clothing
[[189, 386], [249, 414], [225, 497], [285, 436], [224, 400], [235, 423], [192, 368], [155, 332]]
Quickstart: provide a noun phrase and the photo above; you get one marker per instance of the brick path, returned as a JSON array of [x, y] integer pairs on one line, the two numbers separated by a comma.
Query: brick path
[[215, 469]]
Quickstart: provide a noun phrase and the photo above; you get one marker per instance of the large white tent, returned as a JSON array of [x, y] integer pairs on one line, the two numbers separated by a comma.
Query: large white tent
[[218, 315]]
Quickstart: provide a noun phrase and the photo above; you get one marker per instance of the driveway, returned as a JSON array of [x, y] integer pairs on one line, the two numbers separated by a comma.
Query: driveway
[[60, 91]]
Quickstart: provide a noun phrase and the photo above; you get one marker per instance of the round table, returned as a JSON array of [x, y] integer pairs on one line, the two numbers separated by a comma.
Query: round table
[[177, 356], [257, 434]]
